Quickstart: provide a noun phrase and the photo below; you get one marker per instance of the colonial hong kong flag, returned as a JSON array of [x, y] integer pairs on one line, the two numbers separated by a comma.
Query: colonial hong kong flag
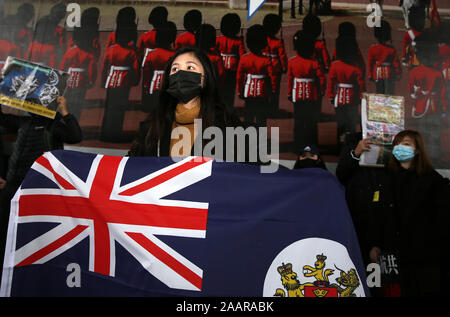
[[93, 225]]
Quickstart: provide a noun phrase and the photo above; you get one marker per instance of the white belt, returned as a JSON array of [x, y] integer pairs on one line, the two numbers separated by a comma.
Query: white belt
[[227, 55], [111, 72], [256, 76], [120, 68], [77, 70], [147, 50], [304, 80], [155, 76], [340, 85], [249, 78], [427, 105]]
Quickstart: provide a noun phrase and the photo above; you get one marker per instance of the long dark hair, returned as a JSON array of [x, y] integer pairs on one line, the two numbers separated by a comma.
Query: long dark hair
[[210, 103], [421, 161]]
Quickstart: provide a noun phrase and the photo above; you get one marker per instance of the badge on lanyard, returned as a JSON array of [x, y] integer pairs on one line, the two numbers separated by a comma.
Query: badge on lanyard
[[376, 196]]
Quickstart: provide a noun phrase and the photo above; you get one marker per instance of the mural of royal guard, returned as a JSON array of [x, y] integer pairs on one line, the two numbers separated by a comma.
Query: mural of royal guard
[[427, 88], [120, 72], [19, 29], [49, 41], [192, 21], [277, 53], [147, 41], [345, 87], [231, 48], [80, 61], [348, 29], [306, 83], [126, 16], [444, 53], [155, 63], [256, 82], [205, 39], [90, 19], [416, 18], [384, 65]]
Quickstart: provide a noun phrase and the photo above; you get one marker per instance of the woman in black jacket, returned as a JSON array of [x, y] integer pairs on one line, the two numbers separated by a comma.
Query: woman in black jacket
[[189, 91], [402, 210]]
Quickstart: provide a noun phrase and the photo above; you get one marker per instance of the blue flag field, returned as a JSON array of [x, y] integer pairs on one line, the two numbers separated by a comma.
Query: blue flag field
[[93, 225]]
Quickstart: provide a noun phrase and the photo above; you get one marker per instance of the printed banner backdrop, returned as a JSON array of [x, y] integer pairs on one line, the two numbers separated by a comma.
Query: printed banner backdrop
[[89, 105], [196, 227]]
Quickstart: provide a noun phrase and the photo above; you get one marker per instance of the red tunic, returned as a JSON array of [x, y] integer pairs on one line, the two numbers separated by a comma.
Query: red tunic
[[146, 41], [255, 77], [153, 69], [276, 52], [41, 53], [359, 63], [230, 49], [9, 49], [185, 39], [427, 87], [444, 57], [81, 66], [346, 84], [408, 54], [120, 67], [305, 79], [383, 62], [96, 49], [321, 55]]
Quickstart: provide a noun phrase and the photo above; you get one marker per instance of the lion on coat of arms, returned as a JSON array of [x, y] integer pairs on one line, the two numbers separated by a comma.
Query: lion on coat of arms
[[348, 282]]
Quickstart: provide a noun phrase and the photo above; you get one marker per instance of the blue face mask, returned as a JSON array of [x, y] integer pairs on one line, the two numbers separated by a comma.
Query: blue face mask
[[403, 153]]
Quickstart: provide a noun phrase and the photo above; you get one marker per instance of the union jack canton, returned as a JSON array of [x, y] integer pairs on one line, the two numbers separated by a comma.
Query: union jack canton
[[106, 211]]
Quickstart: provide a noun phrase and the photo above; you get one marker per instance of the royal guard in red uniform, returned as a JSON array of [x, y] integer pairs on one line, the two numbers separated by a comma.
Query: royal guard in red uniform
[[345, 87], [205, 39], [192, 21], [276, 52], [90, 20], [427, 88], [306, 83], [313, 26], [348, 29], [147, 41], [255, 79], [22, 33], [443, 36], [384, 65], [120, 72], [417, 22], [231, 48], [81, 64], [7, 46], [49, 40], [125, 17], [43, 49], [155, 63]]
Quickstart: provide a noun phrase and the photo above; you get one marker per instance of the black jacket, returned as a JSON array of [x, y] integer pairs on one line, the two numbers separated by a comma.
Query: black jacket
[[36, 135], [401, 212]]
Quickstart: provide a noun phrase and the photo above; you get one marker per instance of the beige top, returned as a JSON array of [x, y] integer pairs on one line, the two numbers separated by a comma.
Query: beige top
[[180, 142]]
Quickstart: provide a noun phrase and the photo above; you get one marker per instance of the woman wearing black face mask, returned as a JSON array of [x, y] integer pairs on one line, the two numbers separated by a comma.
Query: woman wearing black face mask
[[189, 91]]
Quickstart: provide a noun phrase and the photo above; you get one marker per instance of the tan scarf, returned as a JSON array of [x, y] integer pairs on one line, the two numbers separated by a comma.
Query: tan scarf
[[180, 144]]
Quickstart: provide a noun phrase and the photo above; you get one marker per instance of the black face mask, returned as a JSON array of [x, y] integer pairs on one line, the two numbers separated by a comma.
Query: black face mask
[[185, 85]]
